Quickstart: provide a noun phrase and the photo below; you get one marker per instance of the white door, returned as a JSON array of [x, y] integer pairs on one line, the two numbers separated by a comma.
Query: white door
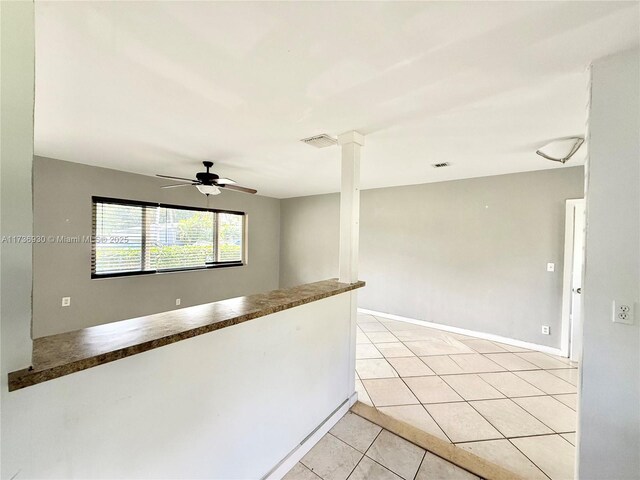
[[576, 280]]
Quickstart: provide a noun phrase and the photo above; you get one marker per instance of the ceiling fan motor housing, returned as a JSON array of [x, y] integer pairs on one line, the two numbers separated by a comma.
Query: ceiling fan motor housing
[[206, 177]]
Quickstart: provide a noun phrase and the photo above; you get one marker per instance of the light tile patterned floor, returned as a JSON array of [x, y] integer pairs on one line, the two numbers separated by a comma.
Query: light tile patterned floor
[[513, 406], [357, 449]]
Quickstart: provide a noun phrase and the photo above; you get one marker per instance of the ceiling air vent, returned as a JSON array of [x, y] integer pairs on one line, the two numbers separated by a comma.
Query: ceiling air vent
[[320, 141], [440, 165]]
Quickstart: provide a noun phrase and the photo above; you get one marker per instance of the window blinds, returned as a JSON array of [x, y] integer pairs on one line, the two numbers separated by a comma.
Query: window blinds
[[130, 238]]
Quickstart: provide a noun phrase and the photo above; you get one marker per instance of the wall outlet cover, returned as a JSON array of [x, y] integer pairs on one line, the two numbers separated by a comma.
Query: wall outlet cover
[[178, 301], [66, 301], [551, 267], [623, 312], [546, 330]]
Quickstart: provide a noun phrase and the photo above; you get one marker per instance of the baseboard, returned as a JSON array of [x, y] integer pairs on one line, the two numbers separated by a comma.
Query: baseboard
[[287, 463], [464, 331]]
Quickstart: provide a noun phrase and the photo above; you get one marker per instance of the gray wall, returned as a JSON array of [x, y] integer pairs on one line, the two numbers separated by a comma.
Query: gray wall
[[309, 239], [609, 429], [467, 253], [62, 206]]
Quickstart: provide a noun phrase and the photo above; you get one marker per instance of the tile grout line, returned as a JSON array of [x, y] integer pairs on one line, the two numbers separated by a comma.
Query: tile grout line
[[463, 400], [479, 467], [475, 372], [367, 392], [422, 405], [519, 378], [482, 355], [527, 457], [384, 466], [553, 431], [501, 352], [525, 411], [513, 437], [504, 395], [364, 386], [387, 468], [420, 466], [531, 413], [436, 422], [425, 409], [560, 394], [524, 379], [486, 420], [337, 438], [311, 471], [470, 338], [519, 354], [413, 393], [545, 394], [482, 380], [364, 454], [523, 436]]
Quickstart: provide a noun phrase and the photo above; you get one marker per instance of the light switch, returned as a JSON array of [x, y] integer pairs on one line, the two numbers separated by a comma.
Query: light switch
[[551, 267]]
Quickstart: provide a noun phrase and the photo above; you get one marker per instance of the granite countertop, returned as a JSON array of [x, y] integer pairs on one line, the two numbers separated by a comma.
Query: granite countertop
[[58, 355]]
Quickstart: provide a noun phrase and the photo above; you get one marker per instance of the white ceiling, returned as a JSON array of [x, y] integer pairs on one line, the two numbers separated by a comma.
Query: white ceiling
[[157, 87]]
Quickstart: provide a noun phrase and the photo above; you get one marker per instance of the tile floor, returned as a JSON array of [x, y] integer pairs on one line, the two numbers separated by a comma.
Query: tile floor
[[513, 406], [357, 449]]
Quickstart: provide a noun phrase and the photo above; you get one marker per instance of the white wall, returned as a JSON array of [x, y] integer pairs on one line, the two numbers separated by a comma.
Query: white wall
[[609, 430], [226, 405], [468, 253], [16, 155]]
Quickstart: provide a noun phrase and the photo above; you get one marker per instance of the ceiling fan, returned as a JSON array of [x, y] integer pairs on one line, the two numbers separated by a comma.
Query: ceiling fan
[[207, 182]]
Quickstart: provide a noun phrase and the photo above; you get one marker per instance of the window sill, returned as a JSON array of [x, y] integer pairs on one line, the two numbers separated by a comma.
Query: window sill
[[168, 270]]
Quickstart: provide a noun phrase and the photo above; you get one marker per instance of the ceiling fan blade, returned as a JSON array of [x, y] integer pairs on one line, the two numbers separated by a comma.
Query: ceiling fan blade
[[178, 185], [176, 178], [239, 188], [225, 181]]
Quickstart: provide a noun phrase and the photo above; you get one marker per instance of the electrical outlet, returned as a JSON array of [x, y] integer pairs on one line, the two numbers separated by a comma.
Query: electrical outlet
[[177, 301], [546, 330], [66, 301], [623, 312], [551, 267]]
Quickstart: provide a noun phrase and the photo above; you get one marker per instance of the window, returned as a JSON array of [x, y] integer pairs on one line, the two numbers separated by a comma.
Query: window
[[132, 238]]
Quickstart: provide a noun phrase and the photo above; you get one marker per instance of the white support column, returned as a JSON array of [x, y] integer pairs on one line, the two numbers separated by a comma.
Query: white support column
[[351, 143]]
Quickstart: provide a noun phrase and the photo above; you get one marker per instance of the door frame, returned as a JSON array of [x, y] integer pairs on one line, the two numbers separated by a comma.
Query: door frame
[[565, 335]]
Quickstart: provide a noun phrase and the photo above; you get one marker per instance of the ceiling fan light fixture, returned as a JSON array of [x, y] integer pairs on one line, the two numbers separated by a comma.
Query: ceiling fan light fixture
[[561, 150], [208, 189]]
